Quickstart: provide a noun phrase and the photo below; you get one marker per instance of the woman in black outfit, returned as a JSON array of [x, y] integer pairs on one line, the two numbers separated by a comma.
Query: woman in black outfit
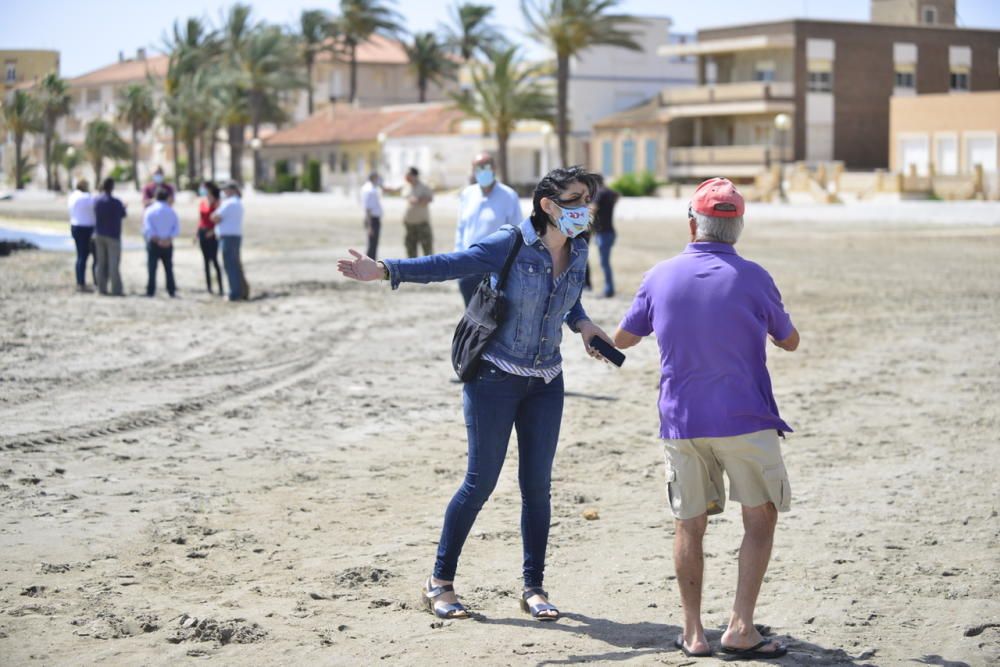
[[207, 239]]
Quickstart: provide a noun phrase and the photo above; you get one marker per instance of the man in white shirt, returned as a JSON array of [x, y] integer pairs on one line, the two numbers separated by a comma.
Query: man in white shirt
[[229, 228], [160, 226], [483, 208], [371, 199], [82, 220]]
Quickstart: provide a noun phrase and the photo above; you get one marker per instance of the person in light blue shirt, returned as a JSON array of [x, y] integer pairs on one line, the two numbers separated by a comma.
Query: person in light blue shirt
[[160, 226], [483, 208], [229, 227]]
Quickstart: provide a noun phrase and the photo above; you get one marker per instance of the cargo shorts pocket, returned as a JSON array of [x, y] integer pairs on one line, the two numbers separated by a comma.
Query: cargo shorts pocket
[[778, 489], [673, 492]]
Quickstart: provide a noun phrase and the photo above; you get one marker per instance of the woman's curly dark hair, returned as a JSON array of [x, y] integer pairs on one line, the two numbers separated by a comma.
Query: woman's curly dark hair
[[552, 185]]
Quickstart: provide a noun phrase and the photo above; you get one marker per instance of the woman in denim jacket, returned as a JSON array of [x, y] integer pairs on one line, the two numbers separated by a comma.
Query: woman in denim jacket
[[519, 383]]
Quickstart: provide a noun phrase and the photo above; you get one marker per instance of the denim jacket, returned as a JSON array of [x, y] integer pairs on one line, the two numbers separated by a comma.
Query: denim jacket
[[531, 331]]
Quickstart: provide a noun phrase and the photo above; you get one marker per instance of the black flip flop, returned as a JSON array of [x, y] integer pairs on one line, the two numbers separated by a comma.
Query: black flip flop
[[679, 643], [754, 652]]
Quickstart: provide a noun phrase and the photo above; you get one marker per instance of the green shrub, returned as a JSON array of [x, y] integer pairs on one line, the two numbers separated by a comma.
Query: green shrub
[[642, 184], [121, 173], [311, 179], [287, 182]]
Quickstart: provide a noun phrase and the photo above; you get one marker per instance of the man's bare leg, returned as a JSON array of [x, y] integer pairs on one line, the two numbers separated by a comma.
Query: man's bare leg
[[689, 563], [755, 553]]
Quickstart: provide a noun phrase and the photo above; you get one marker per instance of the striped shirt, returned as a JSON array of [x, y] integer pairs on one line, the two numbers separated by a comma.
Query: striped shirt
[[547, 374]]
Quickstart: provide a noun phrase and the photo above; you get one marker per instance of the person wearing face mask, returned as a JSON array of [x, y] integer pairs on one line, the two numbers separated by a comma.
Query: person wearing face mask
[[207, 240], [519, 382], [483, 208], [157, 181]]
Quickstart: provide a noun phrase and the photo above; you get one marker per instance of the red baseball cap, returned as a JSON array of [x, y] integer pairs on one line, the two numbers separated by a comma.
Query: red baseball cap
[[719, 198]]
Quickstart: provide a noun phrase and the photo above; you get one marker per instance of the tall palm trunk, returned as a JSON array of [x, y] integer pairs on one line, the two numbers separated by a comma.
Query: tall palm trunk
[[56, 183], [135, 157], [562, 122], [309, 86], [354, 71], [236, 152], [192, 160], [48, 154], [211, 155], [98, 170], [255, 113], [422, 85], [177, 156], [502, 139], [18, 175], [201, 156]]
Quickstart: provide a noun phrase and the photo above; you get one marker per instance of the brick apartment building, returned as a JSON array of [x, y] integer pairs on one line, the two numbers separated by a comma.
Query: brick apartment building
[[827, 83]]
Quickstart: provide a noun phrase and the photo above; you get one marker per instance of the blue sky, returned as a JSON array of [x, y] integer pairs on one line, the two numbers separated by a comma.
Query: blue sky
[[90, 34]]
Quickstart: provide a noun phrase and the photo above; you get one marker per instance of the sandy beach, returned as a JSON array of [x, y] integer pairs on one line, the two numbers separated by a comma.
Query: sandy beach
[[263, 483]]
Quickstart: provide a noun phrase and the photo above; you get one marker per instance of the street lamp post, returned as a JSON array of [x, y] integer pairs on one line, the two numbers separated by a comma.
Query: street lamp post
[[781, 123]]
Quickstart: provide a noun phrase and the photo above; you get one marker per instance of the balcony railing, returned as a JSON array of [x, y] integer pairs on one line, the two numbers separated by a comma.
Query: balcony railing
[[727, 155], [728, 92]]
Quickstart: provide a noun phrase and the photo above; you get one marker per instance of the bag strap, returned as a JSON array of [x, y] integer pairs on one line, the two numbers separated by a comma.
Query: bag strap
[[510, 258]]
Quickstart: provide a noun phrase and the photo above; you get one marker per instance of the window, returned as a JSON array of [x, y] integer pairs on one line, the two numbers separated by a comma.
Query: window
[[607, 158], [651, 155], [820, 78], [763, 70], [628, 156], [959, 80], [929, 15], [820, 82], [331, 161], [905, 77], [11, 72], [345, 162]]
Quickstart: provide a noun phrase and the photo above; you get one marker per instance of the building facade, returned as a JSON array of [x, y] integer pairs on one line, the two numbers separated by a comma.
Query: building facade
[[813, 91], [945, 134]]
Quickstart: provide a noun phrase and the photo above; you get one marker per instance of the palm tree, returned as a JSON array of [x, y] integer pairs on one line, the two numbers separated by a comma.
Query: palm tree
[[103, 141], [54, 101], [266, 67], [506, 91], [21, 116], [471, 31], [429, 61], [237, 28], [358, 21], [316, 28], [192, 48], [60, 151], [136, 107], [569, 27]]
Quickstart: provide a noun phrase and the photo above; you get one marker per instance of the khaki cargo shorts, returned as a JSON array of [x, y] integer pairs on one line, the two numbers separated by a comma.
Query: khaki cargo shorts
[[752, 462]]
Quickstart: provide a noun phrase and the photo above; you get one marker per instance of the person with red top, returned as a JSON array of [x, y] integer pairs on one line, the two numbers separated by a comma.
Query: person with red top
[[207, 239]]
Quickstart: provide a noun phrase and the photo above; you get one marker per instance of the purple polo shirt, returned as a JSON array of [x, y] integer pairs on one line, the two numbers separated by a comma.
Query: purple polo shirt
[[711, 311]]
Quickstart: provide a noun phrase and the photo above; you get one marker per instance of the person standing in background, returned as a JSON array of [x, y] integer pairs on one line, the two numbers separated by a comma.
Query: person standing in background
[[82, 221], [109, 212], [483, 208], [371, 200], [417, 217], [207, 240], [160, 226], [229, 219], [157, 181], [604, 232]]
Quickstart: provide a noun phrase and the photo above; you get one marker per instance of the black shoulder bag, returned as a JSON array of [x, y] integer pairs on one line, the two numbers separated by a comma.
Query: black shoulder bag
[[482, 318]]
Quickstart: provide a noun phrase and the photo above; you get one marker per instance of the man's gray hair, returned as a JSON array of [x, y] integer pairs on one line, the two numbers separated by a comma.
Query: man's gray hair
[[720, 230]]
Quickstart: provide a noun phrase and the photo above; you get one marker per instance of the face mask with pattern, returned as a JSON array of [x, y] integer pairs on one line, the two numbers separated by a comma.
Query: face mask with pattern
[[573, 221]]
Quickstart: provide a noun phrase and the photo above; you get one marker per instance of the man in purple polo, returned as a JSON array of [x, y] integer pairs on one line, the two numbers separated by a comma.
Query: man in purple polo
[[712, 312]]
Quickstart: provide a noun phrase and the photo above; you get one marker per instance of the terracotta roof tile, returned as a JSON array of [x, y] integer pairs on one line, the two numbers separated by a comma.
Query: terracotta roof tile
[[342, 123], [377, 49], [123, 72]]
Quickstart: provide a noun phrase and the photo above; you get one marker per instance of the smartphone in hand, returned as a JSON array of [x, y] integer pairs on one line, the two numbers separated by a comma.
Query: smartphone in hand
[[607, 351]]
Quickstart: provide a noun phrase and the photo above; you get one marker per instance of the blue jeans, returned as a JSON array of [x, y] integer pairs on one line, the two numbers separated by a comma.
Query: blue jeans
[[81, 238], [604, 242], [495, 402], [230, 246]]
